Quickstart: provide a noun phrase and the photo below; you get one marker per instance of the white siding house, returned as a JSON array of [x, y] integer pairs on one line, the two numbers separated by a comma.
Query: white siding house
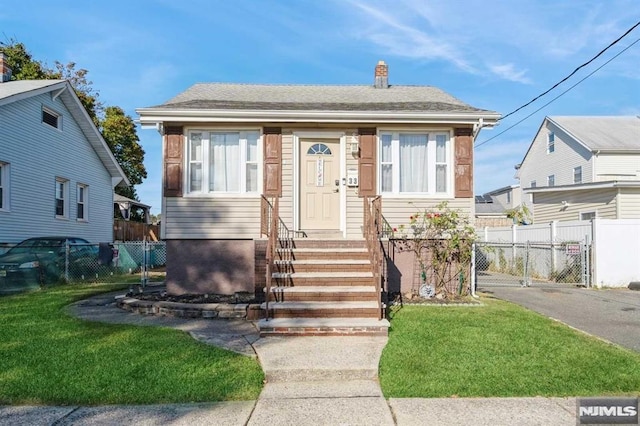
[[56, 172], [582, 167]]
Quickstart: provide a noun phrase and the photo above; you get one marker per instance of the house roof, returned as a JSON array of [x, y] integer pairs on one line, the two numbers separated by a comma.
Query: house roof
[[346, 102], [117, 198], [13, 91], [602, 133]]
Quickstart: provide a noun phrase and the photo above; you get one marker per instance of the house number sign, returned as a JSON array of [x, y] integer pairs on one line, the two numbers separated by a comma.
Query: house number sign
[[319, 171]]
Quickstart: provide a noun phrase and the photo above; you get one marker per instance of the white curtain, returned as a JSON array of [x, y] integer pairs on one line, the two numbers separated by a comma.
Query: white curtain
[[386, 166], [224, 158], [413, 163], [441, 163]]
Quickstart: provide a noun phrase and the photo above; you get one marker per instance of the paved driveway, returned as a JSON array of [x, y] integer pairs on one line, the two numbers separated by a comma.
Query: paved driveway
[[612, 314]]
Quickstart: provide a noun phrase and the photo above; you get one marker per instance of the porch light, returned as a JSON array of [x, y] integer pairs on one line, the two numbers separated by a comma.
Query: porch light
[[353, 144]]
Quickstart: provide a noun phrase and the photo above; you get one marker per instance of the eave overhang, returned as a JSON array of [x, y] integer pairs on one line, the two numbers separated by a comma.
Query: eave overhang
[[153, 116]]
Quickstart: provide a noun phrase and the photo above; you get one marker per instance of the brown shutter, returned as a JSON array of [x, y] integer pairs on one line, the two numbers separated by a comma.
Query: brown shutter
[[367, 163], [272, 161], [173, 161], [463, 163]]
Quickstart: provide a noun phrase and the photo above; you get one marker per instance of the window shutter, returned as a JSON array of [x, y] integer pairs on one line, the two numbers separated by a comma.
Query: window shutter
[[367, 163], [173, 161], [272, 161], [463, 163]]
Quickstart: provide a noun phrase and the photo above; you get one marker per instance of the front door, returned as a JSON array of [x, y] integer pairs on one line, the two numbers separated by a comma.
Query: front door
[[320, 184]]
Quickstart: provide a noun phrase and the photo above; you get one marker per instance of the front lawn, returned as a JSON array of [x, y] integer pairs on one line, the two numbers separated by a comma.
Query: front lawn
[[500, 350], [48, 357]]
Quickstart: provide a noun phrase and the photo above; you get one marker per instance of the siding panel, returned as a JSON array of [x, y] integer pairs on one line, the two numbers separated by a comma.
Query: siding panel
[[212, 218], [549, 204], [617, 167], [37, 154], [629, 199]]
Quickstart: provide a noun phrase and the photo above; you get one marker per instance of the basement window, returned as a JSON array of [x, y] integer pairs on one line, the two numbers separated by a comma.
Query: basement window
[[51, 118]]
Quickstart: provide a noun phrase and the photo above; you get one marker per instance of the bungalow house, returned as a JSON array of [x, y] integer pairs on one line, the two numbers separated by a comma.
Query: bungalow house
[[312, 161], [57, 173], [492, 208], [578, 168]]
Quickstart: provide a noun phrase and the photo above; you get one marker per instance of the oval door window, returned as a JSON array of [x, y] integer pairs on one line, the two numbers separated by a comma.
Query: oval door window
[[319, 148]]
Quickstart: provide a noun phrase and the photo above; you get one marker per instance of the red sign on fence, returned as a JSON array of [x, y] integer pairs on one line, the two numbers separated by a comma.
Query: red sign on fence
[[572, 249]]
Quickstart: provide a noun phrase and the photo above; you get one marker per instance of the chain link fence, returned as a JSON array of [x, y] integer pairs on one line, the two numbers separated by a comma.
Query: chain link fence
[[532, 263], [77, 263]]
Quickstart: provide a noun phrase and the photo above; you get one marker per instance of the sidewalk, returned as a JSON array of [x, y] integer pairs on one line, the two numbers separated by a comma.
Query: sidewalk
[[310, 381]]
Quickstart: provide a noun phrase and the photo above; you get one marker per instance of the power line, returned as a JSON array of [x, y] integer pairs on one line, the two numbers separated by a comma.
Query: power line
[[561, 94], [573, 72]]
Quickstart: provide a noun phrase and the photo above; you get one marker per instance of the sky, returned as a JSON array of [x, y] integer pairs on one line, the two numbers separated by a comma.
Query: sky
[[491, 54]]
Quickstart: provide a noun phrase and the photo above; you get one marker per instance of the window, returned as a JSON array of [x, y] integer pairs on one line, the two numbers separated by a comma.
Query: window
[[533, 184], [4, 186], [82, 202], [61, 198], [319, 148], [508, 197], [223, 162], [415, 163], [587, 215], [551, 180], [551, 141], [577, 174], [51, 118]]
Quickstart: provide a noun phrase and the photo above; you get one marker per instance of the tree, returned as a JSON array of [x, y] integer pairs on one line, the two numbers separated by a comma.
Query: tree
[[118, 129]]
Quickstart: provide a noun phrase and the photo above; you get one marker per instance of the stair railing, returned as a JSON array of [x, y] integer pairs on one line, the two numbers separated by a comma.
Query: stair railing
[[375, 228], [278, 235]]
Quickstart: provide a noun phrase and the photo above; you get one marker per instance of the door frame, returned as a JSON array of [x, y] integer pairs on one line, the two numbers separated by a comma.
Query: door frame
[[297, 137]]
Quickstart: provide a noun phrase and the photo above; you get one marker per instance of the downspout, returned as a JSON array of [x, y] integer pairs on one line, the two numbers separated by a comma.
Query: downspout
[[473, 272]]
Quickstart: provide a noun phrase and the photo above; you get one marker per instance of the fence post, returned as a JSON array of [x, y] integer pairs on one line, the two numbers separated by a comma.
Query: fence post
[[525, 279], [473, 270], [514, 240], [145, 258], [67, 252], [554, 258]]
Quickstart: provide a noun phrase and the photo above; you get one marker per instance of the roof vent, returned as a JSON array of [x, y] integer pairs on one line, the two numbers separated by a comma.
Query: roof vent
[[4, 67], [381, 76]]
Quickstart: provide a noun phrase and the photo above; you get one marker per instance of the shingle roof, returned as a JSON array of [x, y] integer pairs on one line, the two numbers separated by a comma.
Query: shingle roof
[[11, 88], [316, 98], [602, 133]]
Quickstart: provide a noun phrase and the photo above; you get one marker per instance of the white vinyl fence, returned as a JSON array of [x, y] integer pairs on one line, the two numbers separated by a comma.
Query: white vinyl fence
[[614, 245]]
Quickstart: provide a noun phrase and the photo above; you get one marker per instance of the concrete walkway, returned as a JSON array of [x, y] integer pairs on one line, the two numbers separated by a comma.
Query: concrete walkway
[[310, 381]]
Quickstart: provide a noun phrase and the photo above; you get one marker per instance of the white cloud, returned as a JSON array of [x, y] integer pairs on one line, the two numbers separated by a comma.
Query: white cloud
[[508, 72]]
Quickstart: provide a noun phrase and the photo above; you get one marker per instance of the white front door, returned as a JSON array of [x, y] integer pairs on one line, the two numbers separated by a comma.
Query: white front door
[[320, 184]]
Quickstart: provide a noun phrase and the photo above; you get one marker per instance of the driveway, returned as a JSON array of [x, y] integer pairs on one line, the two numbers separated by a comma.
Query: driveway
[[611, 314]]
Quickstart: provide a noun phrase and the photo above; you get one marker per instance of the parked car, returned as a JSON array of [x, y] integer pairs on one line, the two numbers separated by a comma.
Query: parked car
[[42, 260]]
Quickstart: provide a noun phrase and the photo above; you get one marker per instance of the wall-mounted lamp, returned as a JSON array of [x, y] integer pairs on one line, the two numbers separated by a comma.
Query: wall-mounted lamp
[[353, 144], [565, 204]]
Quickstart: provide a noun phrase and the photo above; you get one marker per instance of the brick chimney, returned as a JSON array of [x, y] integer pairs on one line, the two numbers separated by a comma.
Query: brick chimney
[[4, 67], [382, 76]]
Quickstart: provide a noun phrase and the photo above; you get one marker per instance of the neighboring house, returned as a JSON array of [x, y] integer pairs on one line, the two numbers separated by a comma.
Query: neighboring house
[[57, 173], [317, 150], [578, 168], [491, 208]]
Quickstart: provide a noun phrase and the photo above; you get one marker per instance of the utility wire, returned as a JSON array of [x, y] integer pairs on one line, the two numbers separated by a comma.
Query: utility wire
[[573, 72], [561, 94]]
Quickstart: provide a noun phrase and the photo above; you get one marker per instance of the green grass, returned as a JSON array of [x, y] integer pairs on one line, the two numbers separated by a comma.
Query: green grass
[[499, 350], [49, 357]]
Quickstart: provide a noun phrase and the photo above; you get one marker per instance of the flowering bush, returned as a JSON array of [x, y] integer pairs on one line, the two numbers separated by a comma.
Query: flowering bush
[[442, 240]]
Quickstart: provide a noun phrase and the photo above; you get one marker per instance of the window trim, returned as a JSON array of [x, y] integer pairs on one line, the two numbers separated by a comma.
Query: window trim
[[65, 199], [5, 187], [431, 156], [85, 202], [594, 212], [57, 115], [577, 169], [551, 142], [205, 193]]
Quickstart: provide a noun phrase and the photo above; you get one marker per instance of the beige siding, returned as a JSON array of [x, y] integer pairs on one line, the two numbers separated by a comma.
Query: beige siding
[[568, 154], [548, 205], [355, 204], [398, 210], [629, 199], [617, 167], [286, 202], [211, 218]]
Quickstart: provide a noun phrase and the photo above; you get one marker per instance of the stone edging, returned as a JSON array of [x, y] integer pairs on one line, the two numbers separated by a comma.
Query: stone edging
[[451, 305], [246, 311]]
